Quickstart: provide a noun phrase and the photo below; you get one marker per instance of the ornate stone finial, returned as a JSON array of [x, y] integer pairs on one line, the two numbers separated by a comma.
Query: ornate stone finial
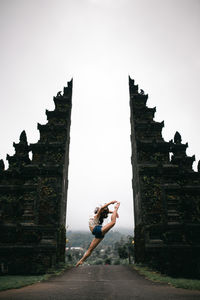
[[198, 166], [23, 137], [59, 94], [2, 166], [132, 87], [177, 138], [141, 92], [131, 81]]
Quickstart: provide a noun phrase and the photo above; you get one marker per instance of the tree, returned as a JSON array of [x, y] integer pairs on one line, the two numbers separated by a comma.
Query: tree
[[126, 249]]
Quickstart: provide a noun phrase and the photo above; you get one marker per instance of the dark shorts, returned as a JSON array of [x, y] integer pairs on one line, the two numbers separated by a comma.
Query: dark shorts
[[97, 232]]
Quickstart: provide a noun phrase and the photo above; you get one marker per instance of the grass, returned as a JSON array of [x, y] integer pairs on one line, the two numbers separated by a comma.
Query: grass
[[191, 284], [17, 281]]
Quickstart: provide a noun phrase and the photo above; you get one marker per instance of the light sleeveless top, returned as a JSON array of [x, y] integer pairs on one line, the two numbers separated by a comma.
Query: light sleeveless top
[[93, 221]]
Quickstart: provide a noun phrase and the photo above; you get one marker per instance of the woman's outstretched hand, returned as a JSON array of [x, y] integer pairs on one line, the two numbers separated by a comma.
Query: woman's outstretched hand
[[107, 204], [113, 202]]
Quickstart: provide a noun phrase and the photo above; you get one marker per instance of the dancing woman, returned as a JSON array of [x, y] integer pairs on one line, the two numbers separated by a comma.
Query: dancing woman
[[95, 225]]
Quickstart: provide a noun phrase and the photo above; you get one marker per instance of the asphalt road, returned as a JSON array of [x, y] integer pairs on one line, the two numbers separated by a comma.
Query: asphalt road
[[99, 283]]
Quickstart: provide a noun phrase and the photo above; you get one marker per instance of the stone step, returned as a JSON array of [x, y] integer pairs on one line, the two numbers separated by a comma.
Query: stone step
[[172, 212], [28, 212], [28, 201], [28, 208], [28, 217], [173, 223], [28, 221]]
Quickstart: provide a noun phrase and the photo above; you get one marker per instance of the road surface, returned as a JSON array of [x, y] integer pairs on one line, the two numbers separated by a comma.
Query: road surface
[[101, 282]]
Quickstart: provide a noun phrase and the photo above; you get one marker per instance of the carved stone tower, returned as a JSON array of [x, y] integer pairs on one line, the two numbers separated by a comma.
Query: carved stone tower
[[33, 195], [166, 194]]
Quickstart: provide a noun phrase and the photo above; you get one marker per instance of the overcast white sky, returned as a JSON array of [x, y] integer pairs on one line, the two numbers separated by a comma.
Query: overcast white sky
[[99, 42]]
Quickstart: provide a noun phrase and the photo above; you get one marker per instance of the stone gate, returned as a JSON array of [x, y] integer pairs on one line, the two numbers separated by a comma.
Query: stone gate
[[166, 194], [33, 195]]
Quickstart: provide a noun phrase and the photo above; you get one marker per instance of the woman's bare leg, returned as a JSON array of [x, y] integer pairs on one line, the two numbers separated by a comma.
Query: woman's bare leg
[[114, 216], [92, 246]]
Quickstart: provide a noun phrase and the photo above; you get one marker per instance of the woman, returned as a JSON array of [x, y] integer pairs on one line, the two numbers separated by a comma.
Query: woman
[[95, 225]]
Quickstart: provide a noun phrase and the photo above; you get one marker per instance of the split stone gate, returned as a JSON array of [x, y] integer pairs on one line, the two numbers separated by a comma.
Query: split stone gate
[[33, 195], [166, 194]]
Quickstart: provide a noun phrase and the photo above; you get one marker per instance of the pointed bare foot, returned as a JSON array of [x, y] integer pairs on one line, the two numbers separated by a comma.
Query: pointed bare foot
[[117, 205], [79, 263]]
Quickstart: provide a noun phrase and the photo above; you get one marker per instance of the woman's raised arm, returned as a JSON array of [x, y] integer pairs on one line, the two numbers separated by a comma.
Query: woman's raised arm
[[104, 206]]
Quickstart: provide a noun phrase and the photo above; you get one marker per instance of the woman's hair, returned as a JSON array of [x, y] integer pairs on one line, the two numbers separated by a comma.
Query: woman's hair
[[103, 215], [96, 210]]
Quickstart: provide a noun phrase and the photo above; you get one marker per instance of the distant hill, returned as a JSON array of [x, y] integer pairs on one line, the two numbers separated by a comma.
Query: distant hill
[[109, 251], [126, 231], [84, 238]]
